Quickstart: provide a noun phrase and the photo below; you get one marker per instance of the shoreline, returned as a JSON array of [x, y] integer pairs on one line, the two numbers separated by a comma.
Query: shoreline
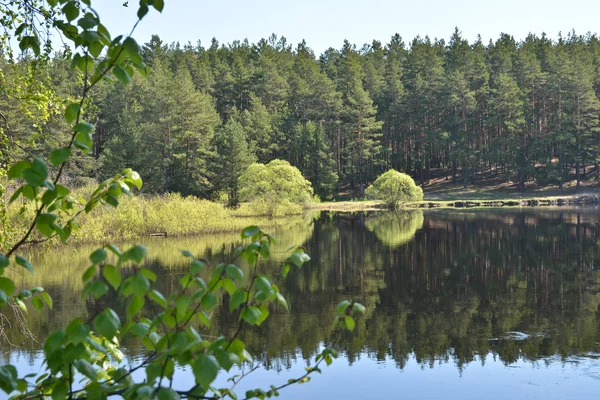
[[553, 201]]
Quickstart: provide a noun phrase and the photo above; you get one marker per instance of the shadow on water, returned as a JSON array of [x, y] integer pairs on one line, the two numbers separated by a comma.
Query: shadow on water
[[502, 288]]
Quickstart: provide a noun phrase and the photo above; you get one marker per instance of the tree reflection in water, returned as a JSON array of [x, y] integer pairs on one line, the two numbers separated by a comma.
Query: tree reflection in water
[[438, 286]]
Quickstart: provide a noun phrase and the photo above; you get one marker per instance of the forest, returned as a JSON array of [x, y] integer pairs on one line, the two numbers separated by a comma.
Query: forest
[[521, 111]]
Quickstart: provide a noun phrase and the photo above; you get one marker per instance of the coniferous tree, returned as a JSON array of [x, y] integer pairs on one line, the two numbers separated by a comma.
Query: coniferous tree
[[232, 158]]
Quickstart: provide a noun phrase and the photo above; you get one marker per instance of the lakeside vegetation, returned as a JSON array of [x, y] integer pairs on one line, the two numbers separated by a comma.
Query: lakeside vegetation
[[520, 111], [171, 214]]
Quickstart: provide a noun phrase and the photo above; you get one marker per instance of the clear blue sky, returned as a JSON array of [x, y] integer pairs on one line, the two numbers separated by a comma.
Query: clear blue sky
[[326, 23]]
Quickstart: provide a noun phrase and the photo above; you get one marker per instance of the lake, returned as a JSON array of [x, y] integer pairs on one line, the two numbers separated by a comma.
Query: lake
[[466, 304]]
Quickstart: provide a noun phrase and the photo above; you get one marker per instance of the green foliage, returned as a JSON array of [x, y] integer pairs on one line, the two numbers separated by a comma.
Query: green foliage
[[474, 111], [233, 158], [394, 188], [273, 182], [83, 359]]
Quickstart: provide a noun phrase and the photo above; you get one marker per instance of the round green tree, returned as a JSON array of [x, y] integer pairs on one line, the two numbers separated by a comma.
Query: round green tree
[[277, 180], [394, 189]]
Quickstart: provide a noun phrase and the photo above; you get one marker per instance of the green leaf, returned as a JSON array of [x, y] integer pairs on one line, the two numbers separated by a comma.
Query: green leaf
[[96, 47], [133, 179], [98, 256], [77, 331], [142, 11], [135, 306], [121, 74], [159, 5], [86, 368], [264, 313], [8, 378], [237, 299], [7, 286], [29, 192], [237, 347], [250, 315], [234, 272], [48, 197], [37, 174], [16, 171], [341, 308], [181, 306], [139, 329], [208, 301], [71, 11], [136, 254], [59, 156], [167, 394], [133, 49], [21, 305], [107, 323], [96, 289], [37, 302], [89, 273], [264, 285], [282, 300], [224, 359], [205, 370], [71, 112], [47, 299], [359, 308], [22, 261], [112, 276], [285, 270], [148, 274], [46, 218], [114, 249], [158, 298], [250, 231], [140, 284], [349, 321], [296, 259], [196, 266], [87, 23], [83, 127], [30, 42], [60, 391], [83, 141], [4, 261]]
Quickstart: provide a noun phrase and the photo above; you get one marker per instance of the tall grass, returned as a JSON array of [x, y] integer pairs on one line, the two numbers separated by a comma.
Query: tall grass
[[171, 213]]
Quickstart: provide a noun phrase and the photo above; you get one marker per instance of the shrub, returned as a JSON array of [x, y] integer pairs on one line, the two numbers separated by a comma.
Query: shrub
[[394, 188], [275, 181]]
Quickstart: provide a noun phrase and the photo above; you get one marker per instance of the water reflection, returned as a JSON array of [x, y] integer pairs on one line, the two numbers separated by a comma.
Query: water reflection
[[513, 288], [397, 228]]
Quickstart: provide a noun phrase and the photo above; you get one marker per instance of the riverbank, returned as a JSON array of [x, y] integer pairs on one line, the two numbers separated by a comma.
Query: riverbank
[[582, 199], [176, 216]]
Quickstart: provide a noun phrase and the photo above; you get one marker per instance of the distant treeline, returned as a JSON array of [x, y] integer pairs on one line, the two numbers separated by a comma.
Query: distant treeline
[[521, 111]]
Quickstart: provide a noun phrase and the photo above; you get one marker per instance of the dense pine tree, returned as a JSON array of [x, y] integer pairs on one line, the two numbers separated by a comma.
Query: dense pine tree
[[521, 112]]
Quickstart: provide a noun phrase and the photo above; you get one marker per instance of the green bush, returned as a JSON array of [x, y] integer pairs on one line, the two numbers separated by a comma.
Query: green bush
[[273, 182], [394, 188]]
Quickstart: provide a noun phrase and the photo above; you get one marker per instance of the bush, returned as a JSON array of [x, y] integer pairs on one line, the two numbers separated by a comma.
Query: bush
[[394, 188], [275, 181]]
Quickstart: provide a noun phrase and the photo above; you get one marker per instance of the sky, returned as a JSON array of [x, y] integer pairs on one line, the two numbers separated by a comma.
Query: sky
[[326, 23]]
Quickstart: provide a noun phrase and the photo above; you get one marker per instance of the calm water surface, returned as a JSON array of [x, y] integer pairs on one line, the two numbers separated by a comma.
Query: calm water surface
[[488, 304]]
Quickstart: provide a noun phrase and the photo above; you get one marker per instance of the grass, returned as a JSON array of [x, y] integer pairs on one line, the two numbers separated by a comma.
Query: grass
[[172, 213]]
